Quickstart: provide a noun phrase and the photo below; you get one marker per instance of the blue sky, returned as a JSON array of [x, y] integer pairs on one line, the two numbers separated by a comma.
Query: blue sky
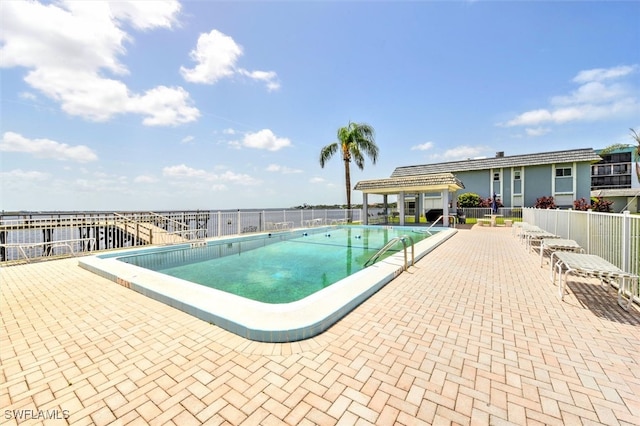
[[222, 105]]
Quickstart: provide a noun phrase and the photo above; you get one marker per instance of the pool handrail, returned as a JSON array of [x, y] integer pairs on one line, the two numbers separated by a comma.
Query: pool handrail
[[390, 244]]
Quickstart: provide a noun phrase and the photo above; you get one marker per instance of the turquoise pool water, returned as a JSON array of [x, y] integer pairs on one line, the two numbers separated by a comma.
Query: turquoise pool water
[[310, 259], [280, 267]]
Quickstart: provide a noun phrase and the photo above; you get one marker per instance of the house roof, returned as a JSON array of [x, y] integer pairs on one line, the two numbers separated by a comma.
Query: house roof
[[569, 156], [422, 183]]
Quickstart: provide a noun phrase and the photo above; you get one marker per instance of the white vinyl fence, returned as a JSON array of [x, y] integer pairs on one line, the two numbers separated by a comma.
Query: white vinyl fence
[[613, 236]]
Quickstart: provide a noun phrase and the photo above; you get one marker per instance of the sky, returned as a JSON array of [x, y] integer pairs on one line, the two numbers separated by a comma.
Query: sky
[[215, 105]]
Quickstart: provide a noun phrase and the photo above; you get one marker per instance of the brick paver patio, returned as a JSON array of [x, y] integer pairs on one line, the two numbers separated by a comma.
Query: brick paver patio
[[473, 334]]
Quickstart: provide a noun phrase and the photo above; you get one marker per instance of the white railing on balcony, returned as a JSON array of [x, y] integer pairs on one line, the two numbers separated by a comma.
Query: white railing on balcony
[[613, 236]]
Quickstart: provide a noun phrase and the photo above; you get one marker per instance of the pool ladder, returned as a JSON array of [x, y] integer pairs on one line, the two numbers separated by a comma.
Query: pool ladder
[[388, 246]]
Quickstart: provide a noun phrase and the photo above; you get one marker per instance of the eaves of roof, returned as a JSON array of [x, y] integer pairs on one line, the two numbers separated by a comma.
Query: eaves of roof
[[569, 156], [421, 183]]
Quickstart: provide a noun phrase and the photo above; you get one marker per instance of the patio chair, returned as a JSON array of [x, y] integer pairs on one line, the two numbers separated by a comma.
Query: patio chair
[[590, 265], [551, 245]]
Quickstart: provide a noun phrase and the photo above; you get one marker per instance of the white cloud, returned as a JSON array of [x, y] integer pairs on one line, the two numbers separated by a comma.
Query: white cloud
[[270, 78], [187, 139], [462, 152], [538, 131], [146, 14], [68, 45], [21, 175], [145, 179], [600, 74], [239, 178], [317, 180], [263, 139], [216, 55], [118, 185], [276, 168], [46, 148], [423, 146], [183, 171], [28, 96], [590, 93], [164, 106], [597, 98]]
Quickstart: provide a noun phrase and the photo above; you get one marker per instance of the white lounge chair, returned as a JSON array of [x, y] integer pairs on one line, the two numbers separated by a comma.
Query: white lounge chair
[[551, 245], [589, 265]]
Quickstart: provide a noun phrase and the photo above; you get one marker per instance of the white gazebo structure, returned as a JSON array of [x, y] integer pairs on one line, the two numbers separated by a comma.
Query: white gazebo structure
[[438, 183]]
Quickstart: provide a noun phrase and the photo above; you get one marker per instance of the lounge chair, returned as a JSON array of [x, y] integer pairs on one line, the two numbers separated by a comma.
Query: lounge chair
[[532, 235], [589, 265], [551, 245]]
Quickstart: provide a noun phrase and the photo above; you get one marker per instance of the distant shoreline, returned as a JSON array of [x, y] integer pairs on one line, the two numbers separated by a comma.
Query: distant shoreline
[[257, 209]]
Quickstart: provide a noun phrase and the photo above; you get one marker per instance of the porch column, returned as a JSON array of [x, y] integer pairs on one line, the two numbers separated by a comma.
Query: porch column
[[445, 207], [385, 206], [418, 208], [365, 209], [401, 207]]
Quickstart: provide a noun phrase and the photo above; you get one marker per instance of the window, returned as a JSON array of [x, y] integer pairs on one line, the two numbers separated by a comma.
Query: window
[[516, 175], [601, 170], [621, 169], [563, 172], [496, 176]]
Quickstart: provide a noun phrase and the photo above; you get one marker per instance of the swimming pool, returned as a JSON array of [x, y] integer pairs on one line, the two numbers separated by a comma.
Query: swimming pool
[[276, 287]]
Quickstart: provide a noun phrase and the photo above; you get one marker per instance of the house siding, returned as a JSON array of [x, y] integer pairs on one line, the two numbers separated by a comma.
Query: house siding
[[477, 182], [505, 194], [537, 176], [583, 174], [537, 183]]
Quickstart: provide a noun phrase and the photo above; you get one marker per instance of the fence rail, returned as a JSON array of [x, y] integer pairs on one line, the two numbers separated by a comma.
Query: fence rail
[[38, 235], [613, 236], [482, 212]]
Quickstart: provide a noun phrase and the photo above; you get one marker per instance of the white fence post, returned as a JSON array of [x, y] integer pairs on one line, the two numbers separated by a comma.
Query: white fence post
[[589, 215], [626, 241]]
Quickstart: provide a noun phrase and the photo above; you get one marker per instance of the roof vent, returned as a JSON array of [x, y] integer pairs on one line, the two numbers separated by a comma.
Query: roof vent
[[499, 154]]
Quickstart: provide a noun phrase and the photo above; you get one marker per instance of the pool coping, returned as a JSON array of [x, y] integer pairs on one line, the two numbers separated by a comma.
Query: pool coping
[[253, 320]]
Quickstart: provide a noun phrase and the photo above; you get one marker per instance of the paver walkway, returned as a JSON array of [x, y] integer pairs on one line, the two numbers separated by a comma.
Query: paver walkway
[[473, 334]]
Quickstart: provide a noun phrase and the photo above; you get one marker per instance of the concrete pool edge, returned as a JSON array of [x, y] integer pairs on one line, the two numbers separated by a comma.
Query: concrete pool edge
[[275, 323]]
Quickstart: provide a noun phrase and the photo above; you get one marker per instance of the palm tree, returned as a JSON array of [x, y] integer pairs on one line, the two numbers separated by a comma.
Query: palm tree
[[636, 153], [354, 140]]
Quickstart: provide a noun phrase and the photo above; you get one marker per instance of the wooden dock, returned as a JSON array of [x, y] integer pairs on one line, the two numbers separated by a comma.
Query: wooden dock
[[108, 231]]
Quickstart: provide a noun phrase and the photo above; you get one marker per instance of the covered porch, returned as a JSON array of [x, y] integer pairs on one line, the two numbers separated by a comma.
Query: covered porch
[[443, 184]]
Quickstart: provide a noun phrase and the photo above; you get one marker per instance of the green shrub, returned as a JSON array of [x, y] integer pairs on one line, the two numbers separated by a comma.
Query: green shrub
[[469, 199]]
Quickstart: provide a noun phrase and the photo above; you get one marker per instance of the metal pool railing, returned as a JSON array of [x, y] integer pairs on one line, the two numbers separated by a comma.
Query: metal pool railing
[[403, 239], [47, 235], [613, 236]]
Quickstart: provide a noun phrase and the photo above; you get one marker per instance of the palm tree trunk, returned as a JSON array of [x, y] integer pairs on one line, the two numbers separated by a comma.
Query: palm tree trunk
[[347, 179]]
